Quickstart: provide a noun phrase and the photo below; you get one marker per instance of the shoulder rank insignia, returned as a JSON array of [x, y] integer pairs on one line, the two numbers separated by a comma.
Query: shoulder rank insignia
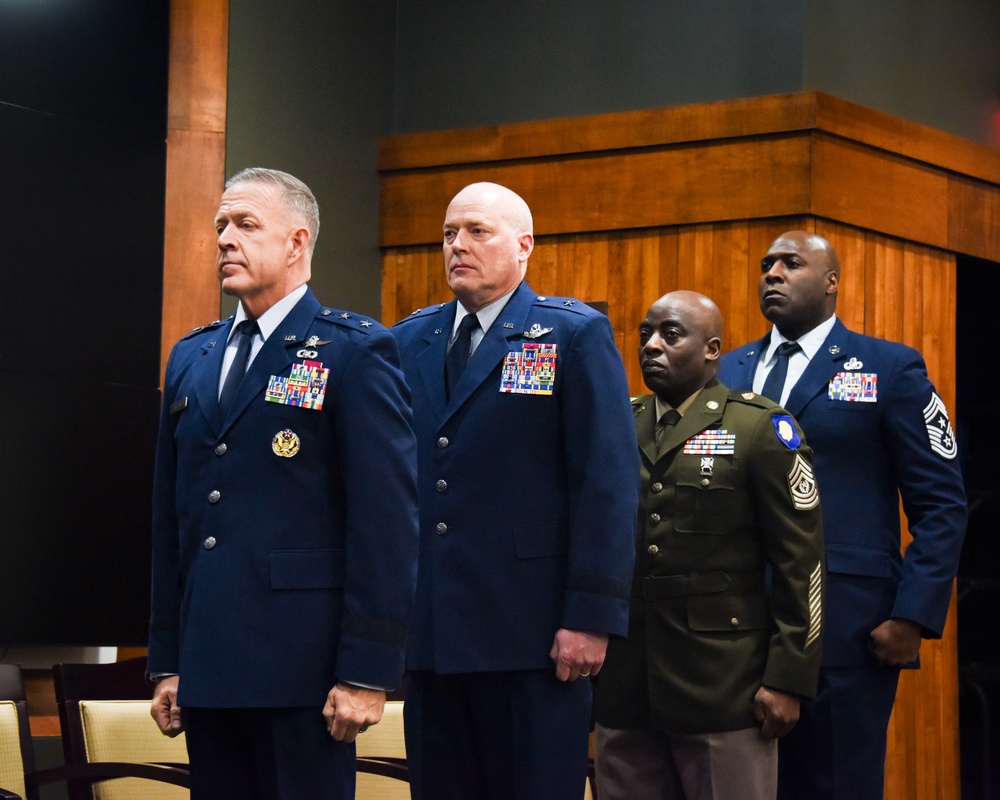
[[939, 431], [535, 331], [532, 370], [748, 395], [854, 387], [785, 429], [802, 485]]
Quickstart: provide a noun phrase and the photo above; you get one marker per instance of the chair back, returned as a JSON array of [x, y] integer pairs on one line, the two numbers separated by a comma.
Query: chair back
[[16, 757], [104, 711]]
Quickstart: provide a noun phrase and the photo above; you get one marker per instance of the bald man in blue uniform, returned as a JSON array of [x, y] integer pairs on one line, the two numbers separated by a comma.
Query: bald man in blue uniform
[[879, 431], [528, 486]]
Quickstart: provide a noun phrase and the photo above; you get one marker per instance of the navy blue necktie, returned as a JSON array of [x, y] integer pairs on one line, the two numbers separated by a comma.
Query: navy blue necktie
[[774, 385], [460, 352], [245, 332]]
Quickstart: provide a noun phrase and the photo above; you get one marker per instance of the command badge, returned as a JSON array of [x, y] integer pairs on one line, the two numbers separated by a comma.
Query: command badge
[[939, 431], [285, 443], [802, 484], [785, 428]]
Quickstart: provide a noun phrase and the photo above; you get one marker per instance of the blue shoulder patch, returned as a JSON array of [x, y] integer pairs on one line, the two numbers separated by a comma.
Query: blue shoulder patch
[[784, 427]]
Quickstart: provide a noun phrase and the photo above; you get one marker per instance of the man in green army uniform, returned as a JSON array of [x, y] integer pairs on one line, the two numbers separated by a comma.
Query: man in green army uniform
[[726, 608]]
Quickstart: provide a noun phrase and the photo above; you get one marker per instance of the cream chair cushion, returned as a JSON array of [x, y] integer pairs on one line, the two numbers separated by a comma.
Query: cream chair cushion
[[123, 730], [384, 740], [11, 764]]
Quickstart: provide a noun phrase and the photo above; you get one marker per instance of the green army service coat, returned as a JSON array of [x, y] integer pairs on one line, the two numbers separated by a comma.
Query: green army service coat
[[728, 492]]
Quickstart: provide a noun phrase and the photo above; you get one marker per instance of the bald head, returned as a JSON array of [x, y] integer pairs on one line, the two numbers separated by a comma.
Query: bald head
[[680, 342], [487, 241], [799, 277]]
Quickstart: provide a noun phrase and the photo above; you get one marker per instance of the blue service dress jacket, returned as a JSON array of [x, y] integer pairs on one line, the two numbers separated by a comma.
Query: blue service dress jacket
[[528, 496], [879, 431], [284, 537]]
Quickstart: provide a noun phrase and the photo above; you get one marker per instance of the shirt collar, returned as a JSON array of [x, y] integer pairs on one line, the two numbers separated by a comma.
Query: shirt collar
[[274, 316], [809, 342], [487, 315]]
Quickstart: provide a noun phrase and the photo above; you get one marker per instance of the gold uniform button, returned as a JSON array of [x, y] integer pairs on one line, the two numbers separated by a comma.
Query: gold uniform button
[[734, 621], [653, 549], [705, 481], [654, 517], [657, 487]]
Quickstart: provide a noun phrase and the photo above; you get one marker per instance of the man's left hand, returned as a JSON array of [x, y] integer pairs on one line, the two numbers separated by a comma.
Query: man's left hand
[[578, 654], [895, 642], [349, 710], [776, 711]]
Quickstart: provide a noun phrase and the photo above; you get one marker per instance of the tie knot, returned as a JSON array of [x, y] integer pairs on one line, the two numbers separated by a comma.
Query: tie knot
[[788, 348], [248, 327], [671, 417], [469, 323]]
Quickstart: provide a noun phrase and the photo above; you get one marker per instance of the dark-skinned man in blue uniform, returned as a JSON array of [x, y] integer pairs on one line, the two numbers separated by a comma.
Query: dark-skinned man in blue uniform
[[527, 485], [284, 531], [879, 431]]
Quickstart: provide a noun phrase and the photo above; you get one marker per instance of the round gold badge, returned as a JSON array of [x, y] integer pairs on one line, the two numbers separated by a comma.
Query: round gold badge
[[285, 443]]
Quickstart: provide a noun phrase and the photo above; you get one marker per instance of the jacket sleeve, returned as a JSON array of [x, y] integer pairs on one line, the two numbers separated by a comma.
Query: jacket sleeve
[[789, 518], [924, 455], [603, 477], [377, 451]]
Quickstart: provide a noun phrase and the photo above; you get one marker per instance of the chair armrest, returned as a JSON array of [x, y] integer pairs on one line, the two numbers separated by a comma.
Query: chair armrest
[[387, 767], [105, 770], [8, 795]]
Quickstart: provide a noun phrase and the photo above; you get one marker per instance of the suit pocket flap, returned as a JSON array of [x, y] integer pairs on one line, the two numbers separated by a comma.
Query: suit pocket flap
[[307, 569], [848, 559], [727, 612]]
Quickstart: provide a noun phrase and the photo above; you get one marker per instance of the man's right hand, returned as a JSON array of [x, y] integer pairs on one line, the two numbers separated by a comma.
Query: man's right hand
[[164, 708]]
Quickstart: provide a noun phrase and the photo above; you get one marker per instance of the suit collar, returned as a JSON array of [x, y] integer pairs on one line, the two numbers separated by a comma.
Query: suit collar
[[707, 410], [829, 360]]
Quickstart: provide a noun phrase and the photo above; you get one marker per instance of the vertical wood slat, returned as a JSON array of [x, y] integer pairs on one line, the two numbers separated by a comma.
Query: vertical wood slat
[[196, 145]]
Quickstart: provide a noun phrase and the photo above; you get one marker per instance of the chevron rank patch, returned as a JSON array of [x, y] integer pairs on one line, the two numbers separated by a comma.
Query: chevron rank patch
[[939, 431], [802, 485], [854, 387], [785, 428], [815, 605]]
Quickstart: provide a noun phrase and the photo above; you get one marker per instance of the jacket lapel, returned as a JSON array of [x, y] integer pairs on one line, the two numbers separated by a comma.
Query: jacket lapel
[[206, 382], [274, 356], [823, 366], [645, 427], [492, 349], [430, 361], [700, 416]]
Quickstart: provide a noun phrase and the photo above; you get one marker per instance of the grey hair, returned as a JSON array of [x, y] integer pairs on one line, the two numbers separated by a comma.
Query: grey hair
[[294, 193]]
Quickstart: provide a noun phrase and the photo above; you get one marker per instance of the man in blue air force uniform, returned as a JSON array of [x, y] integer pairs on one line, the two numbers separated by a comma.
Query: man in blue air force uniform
[[879, 431], [284, 533], [528, 492]]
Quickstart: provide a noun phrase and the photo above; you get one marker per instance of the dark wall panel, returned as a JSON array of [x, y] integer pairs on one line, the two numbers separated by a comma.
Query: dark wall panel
[[83, 91]]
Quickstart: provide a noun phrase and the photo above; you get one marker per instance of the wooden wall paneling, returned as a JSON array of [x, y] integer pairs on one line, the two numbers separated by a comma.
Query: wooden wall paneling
[[616, 271], [973, 218], [196, 142], [879, 191]]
